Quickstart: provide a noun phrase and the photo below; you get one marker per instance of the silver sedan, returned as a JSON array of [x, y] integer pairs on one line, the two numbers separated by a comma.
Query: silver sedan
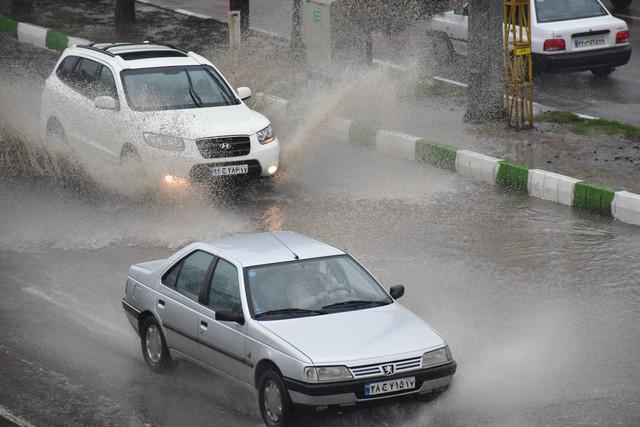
[[298, 320]]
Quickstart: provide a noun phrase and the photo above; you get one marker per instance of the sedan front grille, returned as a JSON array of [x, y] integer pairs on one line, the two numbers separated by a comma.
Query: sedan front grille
[[383, 368], [228, 146]]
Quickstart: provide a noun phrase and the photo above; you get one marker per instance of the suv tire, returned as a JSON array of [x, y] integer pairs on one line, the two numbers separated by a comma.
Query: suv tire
[[274, 400], [154, 347]]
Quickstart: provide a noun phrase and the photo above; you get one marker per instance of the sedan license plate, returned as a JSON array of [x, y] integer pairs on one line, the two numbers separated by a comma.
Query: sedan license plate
[[228, 170], [589, 42], [390, 386]]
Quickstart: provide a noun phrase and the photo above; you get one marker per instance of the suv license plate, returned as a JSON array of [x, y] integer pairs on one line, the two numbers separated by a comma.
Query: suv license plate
[[589, 42], [228, 170], [390, 386]]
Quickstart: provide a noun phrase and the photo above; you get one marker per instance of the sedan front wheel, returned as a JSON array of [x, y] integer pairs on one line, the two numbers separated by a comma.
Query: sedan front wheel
[[275, 404]]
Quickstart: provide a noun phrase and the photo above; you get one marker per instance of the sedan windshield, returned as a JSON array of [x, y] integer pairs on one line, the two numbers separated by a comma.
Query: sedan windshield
[[564, 10], [311, 287], [174, 88]]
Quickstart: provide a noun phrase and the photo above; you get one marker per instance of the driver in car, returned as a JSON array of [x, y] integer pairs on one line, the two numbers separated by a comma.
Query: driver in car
[[315, 289]]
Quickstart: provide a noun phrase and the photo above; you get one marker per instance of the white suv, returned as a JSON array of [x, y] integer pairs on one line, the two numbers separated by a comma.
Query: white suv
[[168, 112], [566, 35]]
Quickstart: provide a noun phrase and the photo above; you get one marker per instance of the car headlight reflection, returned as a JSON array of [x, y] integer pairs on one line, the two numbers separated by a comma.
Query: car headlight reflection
[[164, 142], [436, 357], [326, 373], [266, 135]]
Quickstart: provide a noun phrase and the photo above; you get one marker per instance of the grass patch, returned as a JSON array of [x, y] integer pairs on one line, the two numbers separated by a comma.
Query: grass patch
[[585, 126], [426, 89], [360, 134]]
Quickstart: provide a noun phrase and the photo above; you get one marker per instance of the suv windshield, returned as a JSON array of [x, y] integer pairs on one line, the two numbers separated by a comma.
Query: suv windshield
[[174, 88], [311, 287], [564, 10]]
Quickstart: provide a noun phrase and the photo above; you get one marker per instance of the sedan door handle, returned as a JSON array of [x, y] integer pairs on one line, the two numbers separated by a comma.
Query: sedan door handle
[[160, 303], [203, 325]]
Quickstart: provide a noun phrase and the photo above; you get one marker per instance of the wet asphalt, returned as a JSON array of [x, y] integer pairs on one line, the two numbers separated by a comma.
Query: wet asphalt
[[540, 303]]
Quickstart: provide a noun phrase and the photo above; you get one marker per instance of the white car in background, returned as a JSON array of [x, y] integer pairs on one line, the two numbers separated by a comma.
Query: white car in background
[[566, 35], [167, 112]]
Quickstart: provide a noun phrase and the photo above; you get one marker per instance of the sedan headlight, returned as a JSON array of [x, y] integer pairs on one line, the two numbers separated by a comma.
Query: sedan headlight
[[164, 142], [436, 357], [326, 373], [266, 135]]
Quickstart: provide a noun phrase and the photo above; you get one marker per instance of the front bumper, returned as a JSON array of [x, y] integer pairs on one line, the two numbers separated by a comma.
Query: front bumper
[[190, 163], [581, 61], [350, 392]]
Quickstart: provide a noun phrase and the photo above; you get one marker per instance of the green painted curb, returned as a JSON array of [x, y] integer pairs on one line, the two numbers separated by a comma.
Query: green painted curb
[[513, 176], [57, 41], [361, 135], [9, 26], [439, 155], [593, 197]]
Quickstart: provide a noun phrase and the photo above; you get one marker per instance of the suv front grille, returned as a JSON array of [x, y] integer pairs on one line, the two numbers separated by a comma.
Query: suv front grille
[[228, 146], [378, 369]]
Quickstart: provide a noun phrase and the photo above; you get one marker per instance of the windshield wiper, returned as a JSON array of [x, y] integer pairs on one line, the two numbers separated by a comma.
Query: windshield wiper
[[291, 310], [355, 303], [194, 95]]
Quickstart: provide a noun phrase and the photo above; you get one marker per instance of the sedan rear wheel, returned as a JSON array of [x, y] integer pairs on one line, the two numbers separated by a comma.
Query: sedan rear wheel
[[275, 404], [602, 71], [154, 346]]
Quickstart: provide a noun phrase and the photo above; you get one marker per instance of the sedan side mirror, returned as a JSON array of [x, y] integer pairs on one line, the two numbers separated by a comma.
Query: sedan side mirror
[[396, 291], [105, 103], [226, 315], [244, 93]]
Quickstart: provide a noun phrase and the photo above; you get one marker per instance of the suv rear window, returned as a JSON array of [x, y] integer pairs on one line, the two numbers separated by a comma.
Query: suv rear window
[[66, 67], [564, 10]]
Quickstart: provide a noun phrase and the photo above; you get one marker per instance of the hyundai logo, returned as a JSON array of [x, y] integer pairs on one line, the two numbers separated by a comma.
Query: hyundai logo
[[225, 145], [388, 369]]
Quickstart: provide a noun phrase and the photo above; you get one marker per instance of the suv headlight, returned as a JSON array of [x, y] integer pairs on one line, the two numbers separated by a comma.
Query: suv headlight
[[266, 135], [326, 373], [164, 142], [436, 357]]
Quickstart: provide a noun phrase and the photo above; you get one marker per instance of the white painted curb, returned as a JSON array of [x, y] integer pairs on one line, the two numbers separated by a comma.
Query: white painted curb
[[397, 144], [551, 186], [33, 34], [626, 207], [478, 166]]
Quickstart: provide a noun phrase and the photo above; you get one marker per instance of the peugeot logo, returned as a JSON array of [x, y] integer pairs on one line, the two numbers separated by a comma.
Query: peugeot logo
[[225, 145], [388, 369]]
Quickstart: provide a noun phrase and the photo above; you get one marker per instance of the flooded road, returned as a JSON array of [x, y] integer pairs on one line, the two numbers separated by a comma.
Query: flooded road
[[540, 303]]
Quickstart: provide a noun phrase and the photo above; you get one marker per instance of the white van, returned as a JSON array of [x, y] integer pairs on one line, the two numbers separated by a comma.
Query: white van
[[566, 35]]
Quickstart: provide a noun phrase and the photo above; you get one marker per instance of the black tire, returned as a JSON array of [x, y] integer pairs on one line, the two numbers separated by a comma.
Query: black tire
[[602, 71], [620, 4], [272, 387], [155, 354]]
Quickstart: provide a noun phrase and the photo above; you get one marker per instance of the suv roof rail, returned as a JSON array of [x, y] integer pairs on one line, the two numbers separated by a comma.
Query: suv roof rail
[[105, 49]]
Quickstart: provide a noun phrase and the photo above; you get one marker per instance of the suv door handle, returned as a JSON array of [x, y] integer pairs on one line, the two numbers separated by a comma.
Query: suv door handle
[[160, 303]]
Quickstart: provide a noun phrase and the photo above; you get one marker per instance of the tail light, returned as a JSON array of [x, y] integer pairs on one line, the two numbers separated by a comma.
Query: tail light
[[622, 37], [552, 45]]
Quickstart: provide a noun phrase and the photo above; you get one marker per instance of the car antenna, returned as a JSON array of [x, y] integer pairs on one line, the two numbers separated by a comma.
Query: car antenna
[[295, 256]]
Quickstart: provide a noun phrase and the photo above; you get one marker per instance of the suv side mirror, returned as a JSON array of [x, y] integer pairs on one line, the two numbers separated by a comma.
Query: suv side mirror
[[244, 93], [396, 291], [105, 103], [226, 315]]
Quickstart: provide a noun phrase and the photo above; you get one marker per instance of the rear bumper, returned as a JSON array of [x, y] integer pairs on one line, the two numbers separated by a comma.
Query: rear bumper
[[581, 61], [132, 314], [351, 392]]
